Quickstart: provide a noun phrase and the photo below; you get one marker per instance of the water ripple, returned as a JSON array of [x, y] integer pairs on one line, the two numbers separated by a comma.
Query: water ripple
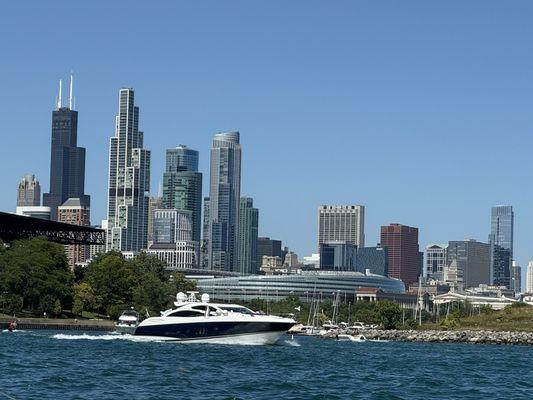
[[49, 365]]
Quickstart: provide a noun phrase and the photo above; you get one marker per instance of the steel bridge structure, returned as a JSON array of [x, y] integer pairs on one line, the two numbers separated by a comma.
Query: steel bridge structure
[[13, 227]]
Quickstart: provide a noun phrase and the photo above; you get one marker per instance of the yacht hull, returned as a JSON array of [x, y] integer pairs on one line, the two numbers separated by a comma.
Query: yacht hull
[[247, 339], [247, 333]]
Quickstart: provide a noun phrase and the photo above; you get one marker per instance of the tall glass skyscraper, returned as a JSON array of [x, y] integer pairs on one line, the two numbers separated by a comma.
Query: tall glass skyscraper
[[182, 185], [129, 180], [67, 160], [501, 242], [182, 158], [248, 230], [224, 196], [502, 226]]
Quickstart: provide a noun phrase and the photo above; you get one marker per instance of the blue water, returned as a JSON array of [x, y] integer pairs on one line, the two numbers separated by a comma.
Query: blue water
[[73, 365]]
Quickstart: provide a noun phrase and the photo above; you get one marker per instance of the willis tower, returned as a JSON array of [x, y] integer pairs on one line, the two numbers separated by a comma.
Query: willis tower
[[67, 161]]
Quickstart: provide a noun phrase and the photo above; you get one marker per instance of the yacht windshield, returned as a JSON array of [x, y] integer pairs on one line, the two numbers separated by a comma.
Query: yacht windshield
[[186, 313], [241, 310]]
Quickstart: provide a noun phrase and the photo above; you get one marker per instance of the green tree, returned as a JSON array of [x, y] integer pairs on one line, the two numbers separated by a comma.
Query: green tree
[[143, 282], [181, 284], [112, 278], [84, 298], [152, 295], [79, 273], [77, 307], [36, 270], [145, 264], [388, 313], [57, 308]]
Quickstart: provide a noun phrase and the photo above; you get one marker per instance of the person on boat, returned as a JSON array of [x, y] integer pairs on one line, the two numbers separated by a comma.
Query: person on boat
[[12, 326]]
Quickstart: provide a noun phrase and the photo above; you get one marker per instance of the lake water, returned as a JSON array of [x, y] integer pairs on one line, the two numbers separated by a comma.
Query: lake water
[[73, 365]]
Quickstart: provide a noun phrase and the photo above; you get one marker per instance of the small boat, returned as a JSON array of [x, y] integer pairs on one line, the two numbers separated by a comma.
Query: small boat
[[199, 321], [127, 322], [351, 338]]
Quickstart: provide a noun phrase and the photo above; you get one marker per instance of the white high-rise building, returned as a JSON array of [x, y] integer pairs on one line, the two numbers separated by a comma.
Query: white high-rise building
[[224, 197], [171, 226], [435, 261], [177, 256], [529, 277], [341, 223], [129, 180], [516, 277]]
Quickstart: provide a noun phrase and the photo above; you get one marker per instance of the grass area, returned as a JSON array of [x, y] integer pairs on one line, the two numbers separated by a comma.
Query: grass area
[[512, 318]]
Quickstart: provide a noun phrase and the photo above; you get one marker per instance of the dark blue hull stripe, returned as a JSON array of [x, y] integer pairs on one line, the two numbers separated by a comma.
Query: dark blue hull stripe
[[201, 330]]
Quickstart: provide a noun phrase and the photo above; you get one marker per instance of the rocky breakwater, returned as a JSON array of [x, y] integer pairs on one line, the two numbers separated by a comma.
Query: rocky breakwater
[[457, 336]]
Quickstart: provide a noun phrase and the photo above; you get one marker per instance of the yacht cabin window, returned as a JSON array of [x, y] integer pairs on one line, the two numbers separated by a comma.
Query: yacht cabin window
[[186, 313]]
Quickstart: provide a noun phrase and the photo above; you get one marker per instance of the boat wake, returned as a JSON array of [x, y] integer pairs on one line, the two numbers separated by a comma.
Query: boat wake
[[290, 342], [109, 336]]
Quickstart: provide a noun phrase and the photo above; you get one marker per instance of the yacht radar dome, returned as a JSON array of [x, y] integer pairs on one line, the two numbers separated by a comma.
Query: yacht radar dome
[[205, 298], [181, 297]]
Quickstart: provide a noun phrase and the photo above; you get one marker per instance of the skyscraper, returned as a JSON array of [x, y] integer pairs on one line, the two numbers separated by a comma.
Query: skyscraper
[[248, 229], [29, 192], [204, 248], [435, 261], [268, 247], [155, 203], [173, 242], [67, 161], [75, 212], [224, 197], [171, 226], [375, 259], [341, 223], [472, 258], [338, 256], [501, 241], [502, 226], [182, 185], [129, 180], [516, 277], [529, 277], [402, 244], [182, 158]]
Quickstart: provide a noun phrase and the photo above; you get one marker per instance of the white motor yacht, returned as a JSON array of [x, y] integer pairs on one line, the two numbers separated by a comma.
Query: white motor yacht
[[200, 321], [127, 322]]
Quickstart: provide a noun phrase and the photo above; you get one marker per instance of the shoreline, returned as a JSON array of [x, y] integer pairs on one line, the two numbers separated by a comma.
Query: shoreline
[[59, 324], [455, 336]]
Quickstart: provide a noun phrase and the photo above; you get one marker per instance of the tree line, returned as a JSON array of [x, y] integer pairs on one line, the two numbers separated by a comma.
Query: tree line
[[35, 279]]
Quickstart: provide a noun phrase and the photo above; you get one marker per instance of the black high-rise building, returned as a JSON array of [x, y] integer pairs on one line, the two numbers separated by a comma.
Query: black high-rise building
[[268, 247], [67, 160]]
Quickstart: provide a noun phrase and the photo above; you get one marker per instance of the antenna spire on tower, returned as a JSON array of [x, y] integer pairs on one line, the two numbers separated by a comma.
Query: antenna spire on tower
[[59, 98], [70, 92]]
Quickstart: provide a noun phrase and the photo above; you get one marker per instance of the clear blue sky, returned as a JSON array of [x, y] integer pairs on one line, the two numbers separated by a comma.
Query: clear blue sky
[[422, 111]]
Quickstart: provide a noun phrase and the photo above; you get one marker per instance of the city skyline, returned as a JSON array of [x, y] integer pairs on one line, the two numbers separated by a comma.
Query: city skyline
[[272, 148]]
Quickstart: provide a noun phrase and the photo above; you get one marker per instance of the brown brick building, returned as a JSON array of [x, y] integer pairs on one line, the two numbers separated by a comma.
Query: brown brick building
[[74, 212], [402, 244]]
